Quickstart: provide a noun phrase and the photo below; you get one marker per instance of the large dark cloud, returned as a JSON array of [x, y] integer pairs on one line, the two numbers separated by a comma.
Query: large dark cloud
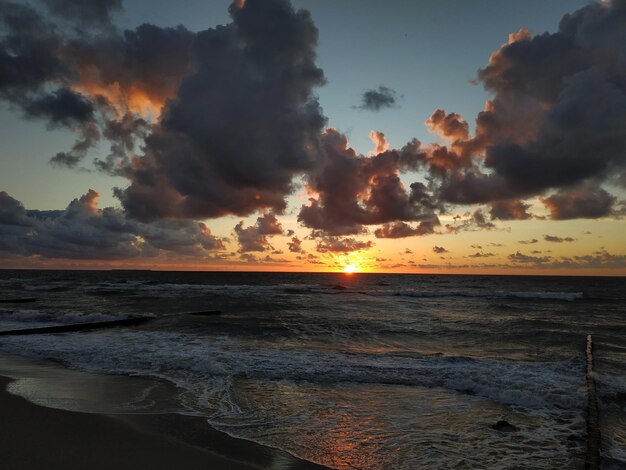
[[84, 231], [90, 80], [242, 126], [29, 52], [558, 115]]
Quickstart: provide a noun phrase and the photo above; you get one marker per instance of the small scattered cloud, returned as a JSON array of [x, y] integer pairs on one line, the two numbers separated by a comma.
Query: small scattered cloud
[[295, 245], [481, 255], [470, 222], [254, 238], [402, 230], [376, 99], [519, 257], [555, 239], [342, 245]]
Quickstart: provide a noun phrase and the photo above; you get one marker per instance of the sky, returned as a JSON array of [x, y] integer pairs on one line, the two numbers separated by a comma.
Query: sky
[[437, 136]]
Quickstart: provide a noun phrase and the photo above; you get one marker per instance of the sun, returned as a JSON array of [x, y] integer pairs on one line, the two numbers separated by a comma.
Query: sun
[[349, 269]]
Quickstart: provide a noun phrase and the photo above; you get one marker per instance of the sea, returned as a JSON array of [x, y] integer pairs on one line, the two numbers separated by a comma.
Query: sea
[[367, 371]]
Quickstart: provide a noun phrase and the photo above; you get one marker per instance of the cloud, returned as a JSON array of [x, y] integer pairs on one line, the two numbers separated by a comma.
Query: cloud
[[268, 224], [601, 259], [378, 98], [527, 259], [354, 190], [380, 142], [254, 238], [555, 239], [90, 12], [474, 221], [295, 245], [450, 126], [84, 231], [249, 257], [479, 254], [402, 230], [181, 236], [556, 120], [62, 107], [586, 202], [29, 53], [509, 210], [74, 69], [230, 124], [232, 142], [439, 249], [529, 242], [342, 245], [89, 135]]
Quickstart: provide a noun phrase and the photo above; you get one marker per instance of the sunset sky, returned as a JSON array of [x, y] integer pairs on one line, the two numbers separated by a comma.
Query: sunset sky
[[434, 136]]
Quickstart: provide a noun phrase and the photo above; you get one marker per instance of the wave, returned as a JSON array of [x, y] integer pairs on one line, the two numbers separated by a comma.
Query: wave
[[11, 318], [167, 289], [195, 359], [531, 295]]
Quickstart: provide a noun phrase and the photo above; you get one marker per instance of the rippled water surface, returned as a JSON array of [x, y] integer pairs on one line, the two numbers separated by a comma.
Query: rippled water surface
[[355, 371]]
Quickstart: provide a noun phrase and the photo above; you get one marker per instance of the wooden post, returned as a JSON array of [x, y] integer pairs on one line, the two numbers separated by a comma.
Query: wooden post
[[592, 460], [76, 327]]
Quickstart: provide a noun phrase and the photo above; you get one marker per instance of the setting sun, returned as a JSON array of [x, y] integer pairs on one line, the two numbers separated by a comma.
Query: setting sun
[[349, 269]]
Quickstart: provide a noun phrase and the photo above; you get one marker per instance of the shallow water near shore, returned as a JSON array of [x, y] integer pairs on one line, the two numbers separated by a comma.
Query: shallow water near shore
[[367, 371]]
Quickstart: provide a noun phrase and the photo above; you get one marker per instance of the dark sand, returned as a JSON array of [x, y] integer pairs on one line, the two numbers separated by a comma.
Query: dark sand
[[37, 437]]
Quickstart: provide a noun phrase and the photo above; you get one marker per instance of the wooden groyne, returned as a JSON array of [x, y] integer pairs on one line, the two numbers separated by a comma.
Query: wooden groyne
[[98, 325], [76, 327], [206, 313], [592, 459]]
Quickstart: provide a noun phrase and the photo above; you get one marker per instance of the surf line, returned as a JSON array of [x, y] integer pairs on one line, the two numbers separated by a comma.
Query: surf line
[[592, 459]]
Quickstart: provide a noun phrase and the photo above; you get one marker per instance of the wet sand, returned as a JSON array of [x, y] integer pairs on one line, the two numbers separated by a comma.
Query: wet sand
[[38, 437]]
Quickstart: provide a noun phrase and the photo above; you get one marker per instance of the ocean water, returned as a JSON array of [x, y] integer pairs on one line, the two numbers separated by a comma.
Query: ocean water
[[360, 371]]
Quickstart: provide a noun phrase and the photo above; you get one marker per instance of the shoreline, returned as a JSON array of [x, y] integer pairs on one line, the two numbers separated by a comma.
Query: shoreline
[[37, 436]]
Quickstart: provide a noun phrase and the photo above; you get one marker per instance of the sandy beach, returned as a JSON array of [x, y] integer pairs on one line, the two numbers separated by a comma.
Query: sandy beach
[[38, 437]]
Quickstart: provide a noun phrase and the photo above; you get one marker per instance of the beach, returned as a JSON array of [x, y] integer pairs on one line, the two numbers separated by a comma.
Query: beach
[[40, 437]]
